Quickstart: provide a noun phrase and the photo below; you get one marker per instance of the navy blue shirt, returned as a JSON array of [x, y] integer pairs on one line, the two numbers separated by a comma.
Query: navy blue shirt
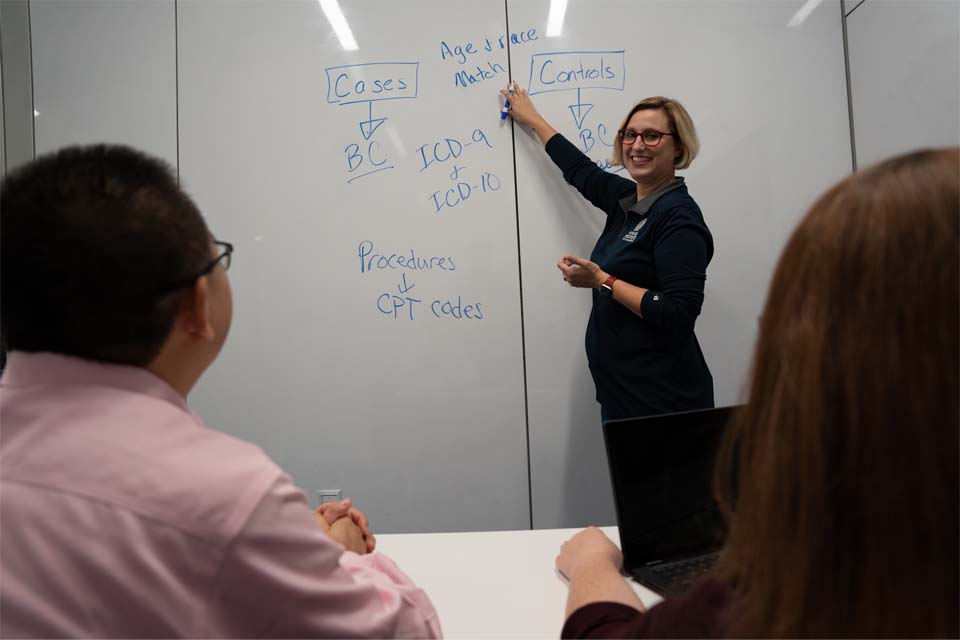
[[654, 364]]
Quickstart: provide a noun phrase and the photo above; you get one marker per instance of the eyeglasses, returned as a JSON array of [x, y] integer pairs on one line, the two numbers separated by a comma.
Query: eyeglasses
[[649, 137], [225, 255]]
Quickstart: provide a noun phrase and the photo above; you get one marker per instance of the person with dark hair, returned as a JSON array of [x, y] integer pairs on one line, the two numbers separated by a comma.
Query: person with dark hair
[[840, 477], [123, 515], [649, 265]]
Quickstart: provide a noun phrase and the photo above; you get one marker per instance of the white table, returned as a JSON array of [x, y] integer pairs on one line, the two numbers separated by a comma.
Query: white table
[[492, 584]]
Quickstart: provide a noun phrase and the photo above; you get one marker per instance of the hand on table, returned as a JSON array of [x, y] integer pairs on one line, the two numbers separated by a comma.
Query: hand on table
[[329, 513], [348, 535], [589, 547], [578, 272]]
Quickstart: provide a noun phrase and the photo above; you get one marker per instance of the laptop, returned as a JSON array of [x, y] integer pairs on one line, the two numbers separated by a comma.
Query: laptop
[[671, 529]]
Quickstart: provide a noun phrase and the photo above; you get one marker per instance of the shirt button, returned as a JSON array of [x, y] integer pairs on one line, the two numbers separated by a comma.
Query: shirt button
[[656, 297]]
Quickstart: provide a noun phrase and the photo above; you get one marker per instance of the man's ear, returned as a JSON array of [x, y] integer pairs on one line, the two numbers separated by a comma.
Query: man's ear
[[195, 310]]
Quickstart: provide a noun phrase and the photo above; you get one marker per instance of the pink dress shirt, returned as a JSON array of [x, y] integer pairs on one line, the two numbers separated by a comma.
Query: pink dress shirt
[[122, 515]]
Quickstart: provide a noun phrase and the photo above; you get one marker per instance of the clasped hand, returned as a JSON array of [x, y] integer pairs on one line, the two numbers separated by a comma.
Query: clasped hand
[[346, 525], [578, 272]]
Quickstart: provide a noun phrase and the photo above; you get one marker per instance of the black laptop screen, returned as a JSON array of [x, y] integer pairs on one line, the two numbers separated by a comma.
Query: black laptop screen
[[662, 468]]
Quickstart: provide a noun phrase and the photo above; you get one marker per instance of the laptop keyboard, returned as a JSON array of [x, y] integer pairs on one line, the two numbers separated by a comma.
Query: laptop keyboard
[[678, 575]]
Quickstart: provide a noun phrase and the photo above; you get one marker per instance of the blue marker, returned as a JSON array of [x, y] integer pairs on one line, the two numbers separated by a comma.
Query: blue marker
[[506, 105]]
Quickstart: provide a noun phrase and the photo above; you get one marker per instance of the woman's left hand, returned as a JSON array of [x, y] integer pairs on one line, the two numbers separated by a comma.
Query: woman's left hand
[[581, 273]]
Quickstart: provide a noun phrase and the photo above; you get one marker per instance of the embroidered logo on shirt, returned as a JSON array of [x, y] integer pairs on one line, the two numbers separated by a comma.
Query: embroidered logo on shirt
[[632, 235]]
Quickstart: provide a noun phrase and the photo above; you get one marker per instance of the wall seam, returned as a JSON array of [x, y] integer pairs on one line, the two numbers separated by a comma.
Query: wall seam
[[846, 65], [523, 337], [3, 109], [176, 81], [33, 101], [855, 8]]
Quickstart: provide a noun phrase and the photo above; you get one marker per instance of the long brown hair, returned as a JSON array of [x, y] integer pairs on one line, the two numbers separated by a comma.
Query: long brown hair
[[840, 477]]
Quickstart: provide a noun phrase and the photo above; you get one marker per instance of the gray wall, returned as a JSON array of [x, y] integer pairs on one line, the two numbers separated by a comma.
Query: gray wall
[[904, 75], [3, 153], [105, 71], [87, 71], [17, 79]]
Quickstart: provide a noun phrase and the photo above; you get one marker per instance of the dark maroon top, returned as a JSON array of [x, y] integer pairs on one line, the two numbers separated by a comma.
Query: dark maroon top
[[695, 614]]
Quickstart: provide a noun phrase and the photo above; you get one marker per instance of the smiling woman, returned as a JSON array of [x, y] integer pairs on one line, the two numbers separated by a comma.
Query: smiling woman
[[648, 268], [650, 120]]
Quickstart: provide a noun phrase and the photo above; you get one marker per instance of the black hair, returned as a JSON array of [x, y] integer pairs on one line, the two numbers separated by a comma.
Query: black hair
[[88, 237]]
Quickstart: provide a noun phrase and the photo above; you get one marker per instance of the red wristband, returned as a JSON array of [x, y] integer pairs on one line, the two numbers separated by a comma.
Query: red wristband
[[608, 283]]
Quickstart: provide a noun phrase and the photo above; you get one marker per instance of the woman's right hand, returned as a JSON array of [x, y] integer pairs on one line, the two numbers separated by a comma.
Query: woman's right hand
[[522, 110], [521, 106]]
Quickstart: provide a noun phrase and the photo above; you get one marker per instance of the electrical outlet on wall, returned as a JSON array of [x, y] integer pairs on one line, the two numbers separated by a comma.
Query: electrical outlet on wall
[[329, 495]]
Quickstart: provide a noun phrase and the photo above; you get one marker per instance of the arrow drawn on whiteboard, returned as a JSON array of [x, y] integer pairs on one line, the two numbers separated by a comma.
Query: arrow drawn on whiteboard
[[578, 111], [367, 127], [405, 287]]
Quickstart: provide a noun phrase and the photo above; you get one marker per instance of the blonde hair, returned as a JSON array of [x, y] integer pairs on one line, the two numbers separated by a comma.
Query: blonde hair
[[681, 126]]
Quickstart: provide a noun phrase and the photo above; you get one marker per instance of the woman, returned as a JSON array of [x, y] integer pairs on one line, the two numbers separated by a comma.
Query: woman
[[648, 267], [845, 521]]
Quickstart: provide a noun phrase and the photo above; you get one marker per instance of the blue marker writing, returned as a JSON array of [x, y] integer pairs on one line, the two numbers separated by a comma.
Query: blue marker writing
[[506, 104]]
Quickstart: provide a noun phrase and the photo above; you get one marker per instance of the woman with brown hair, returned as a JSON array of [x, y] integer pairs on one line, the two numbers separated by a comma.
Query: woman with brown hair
[[843, 510]]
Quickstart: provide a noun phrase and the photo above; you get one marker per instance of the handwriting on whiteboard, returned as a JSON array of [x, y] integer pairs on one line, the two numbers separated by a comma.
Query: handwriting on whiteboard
[[465, 184], [372, 81], [581, 72], [367, 83], [402, 302], [563, 70], [473, 50]]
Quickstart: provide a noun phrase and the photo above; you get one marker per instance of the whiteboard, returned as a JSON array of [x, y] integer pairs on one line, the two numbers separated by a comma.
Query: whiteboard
[[400, 330], [769, 104], [376, 344]]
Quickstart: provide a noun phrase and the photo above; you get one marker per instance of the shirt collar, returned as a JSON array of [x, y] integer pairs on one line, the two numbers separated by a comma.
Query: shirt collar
[[54, 369], [629, 203]]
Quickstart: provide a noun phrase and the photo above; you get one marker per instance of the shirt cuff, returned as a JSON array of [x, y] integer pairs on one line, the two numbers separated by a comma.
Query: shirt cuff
[[600, 620], [553, 141], [651, 306]]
